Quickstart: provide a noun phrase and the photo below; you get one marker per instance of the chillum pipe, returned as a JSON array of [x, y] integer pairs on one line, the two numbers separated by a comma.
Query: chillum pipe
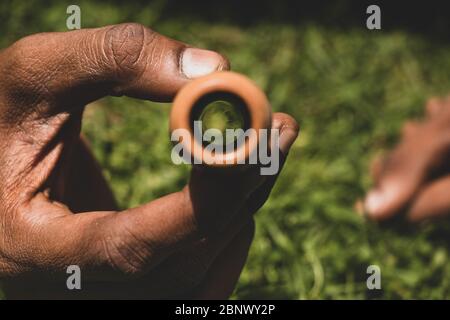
[[239, 100]]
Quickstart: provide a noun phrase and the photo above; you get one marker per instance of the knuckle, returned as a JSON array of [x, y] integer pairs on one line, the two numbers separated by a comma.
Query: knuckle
[[22, 45], [25, 52], [17, 59], [125, 45], [24, 70]]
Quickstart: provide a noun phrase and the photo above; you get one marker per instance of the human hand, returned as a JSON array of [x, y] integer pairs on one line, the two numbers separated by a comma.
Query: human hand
[[57, 210], [414, 179]]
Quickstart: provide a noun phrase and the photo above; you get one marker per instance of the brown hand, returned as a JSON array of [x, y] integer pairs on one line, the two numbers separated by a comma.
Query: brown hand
[[415, 178], [56, 209]]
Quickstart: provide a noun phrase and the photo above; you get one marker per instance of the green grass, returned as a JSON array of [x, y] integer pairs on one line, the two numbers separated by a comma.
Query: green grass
[[349, 89]]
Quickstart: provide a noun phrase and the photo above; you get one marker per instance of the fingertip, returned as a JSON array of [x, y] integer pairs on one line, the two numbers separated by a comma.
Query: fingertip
[[288, 130], [384, 202], [280, 120], [373, 204], [196, 62]]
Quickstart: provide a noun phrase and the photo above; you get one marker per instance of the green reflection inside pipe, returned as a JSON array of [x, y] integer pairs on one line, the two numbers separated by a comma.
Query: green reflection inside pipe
[[222, 111]]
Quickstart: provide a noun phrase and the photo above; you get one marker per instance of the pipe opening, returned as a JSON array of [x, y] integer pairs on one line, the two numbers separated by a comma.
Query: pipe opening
[[225, 113]]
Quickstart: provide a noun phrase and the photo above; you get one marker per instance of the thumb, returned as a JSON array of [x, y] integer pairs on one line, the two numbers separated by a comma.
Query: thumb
[[84, 65]]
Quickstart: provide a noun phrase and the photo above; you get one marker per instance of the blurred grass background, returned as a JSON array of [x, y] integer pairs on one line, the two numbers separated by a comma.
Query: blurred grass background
[[350, 89]]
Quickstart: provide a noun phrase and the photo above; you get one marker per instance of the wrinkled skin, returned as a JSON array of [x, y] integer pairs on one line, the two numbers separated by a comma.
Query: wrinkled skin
[[413, 181], [56, 208]]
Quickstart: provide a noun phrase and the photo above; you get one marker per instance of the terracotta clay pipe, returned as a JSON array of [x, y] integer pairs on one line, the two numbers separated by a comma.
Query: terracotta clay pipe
[[228, 92]]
